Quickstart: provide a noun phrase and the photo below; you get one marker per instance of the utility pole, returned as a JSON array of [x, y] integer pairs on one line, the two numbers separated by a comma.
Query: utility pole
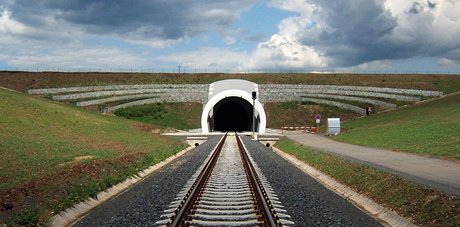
[[254, 96]]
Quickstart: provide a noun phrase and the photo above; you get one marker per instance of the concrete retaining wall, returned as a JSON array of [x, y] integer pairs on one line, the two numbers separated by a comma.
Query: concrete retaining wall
[[116, 99], [352, 98], [284, 94], [184, 98], [153, 93], [351, 88], [97, 94], [337, 104], [116, 87]]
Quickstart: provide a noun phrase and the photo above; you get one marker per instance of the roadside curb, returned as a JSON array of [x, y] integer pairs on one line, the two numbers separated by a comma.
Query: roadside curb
[[73, 214], [380, 213]]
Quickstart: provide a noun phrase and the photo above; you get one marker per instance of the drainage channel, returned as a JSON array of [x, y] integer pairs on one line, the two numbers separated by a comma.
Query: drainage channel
[[227, 190]]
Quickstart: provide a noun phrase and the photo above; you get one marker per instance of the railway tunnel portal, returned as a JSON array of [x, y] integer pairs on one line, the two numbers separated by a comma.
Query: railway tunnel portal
[[230, 107]]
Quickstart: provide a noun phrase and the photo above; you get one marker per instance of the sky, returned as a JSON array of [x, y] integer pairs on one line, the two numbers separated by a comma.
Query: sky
[[394, 36]]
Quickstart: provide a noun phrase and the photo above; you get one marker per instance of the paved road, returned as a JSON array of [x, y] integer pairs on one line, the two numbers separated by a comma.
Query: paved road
[[441, 174]]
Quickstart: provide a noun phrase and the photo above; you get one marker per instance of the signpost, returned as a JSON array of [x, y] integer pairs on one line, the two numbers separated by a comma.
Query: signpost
[[318, 121], [254, 96]]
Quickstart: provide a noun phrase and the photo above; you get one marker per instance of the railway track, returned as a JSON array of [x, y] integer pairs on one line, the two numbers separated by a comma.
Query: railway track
[[227, 190]]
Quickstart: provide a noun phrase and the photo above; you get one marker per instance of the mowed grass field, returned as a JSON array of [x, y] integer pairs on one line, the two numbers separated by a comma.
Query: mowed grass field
[[53, 155], [430, 128]]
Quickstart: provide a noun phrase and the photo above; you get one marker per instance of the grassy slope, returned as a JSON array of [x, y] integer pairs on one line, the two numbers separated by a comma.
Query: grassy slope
[[175, 115], [43, 140], [287, 114], [430, 128], [22, 81], [425, 206]]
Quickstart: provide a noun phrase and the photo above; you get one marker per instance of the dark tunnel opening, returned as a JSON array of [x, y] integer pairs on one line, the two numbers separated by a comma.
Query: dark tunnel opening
[[232, 114]]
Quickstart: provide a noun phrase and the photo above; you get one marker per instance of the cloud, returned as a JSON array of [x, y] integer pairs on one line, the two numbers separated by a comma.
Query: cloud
[[9, 26], [80, 57], [23, 45], [449, 63], [111, 34], [361, 34], [284, 52], [132, 19], [209, 58], [230, 40], [356, 32], [372, 65], [259, 37]]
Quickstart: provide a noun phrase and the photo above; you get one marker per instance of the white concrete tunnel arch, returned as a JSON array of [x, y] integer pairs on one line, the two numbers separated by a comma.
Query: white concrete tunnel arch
[[233, 93]]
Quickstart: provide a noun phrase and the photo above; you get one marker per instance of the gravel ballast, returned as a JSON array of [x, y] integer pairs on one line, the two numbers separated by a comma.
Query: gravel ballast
[[307, 201], [145, 202]]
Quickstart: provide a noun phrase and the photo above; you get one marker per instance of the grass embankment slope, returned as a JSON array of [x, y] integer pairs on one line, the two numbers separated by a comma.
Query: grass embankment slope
[[426, 207], [22, 81], [54, 155], [430, 128], [175, 115], [285, 114]]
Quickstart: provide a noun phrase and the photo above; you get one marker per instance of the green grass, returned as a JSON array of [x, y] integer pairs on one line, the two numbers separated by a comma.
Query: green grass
[[22, 81], [42, 141], [285, 114], [173, 115], [425, 206], [188, 115], [431, 128]]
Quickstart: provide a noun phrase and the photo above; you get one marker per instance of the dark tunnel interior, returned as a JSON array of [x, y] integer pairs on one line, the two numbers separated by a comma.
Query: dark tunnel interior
[[233, 114]]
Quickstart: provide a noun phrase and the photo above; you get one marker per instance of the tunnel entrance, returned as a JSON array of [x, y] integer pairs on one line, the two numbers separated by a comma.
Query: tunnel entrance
[[232, 114], [229, 107]]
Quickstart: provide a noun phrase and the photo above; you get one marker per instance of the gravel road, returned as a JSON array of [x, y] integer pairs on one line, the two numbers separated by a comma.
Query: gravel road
[[308, 202]]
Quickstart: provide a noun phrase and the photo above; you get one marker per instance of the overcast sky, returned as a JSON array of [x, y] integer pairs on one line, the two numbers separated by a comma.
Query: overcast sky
[[234, 35]]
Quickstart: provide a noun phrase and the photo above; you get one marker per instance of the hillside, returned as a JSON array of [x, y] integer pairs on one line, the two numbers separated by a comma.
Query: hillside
[[430, 128], [55, 155], [22, 81], [173, 115]]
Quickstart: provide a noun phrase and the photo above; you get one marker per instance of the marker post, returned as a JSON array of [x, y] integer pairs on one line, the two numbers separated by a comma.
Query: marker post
[[318, 121]]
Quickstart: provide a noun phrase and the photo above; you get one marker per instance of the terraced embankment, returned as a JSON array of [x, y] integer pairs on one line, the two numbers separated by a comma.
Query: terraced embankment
[[333, 95], [54, 156]]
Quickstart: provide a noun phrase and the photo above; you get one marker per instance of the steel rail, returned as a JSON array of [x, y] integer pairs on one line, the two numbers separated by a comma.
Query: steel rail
[[265, 207], [181, 213], [262, 203]]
